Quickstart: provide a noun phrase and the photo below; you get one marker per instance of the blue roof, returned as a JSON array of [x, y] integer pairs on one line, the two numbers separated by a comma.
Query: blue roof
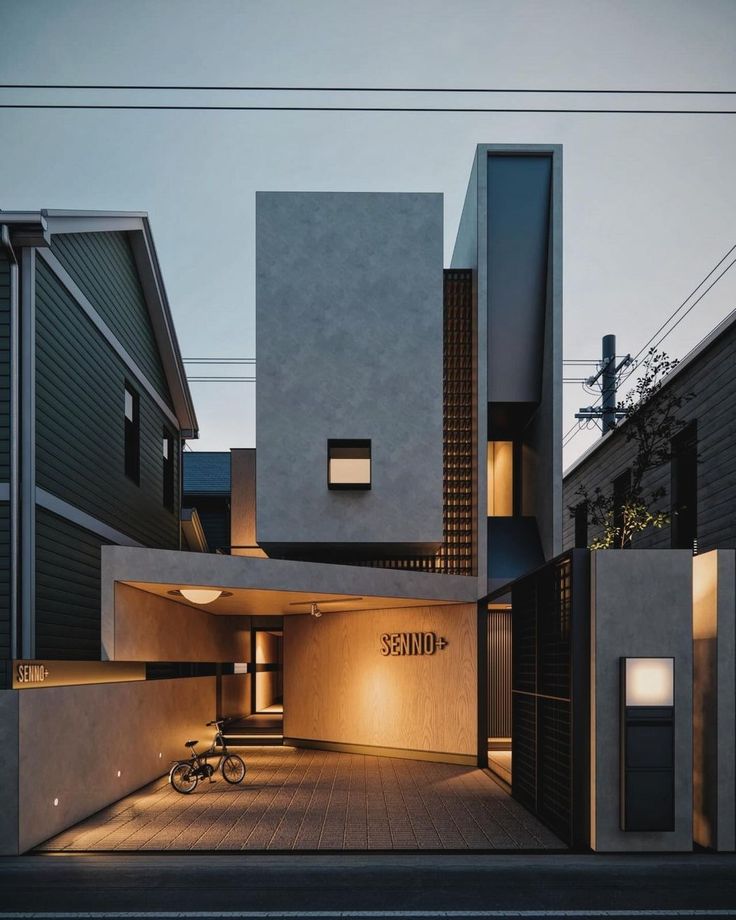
[[207, 472]]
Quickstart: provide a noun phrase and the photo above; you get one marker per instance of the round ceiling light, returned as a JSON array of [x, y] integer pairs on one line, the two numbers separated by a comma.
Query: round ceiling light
[[201, 595]]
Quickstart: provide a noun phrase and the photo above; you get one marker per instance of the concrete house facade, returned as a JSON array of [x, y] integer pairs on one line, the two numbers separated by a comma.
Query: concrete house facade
[[384, 573]]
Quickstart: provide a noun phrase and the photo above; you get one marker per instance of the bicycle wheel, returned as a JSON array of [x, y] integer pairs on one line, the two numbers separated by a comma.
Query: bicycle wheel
[[233, 769], [182, 778]]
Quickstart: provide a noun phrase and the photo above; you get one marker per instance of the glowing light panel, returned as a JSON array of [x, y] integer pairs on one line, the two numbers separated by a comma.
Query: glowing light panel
[[650, 681]]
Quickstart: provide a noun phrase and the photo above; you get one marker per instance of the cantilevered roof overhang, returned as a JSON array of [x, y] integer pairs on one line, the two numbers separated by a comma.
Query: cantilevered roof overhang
[[276, 587]]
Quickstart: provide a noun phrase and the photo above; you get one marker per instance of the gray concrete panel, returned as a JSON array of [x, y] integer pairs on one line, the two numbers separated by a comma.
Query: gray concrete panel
[[143, 565], [349, 345], [641, 606], [517, 252], [543, 435], [9, 819], [82, 748]]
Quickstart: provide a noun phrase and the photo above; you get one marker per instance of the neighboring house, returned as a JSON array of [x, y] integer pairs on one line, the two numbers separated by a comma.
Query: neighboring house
[[206, 488], [94, 407], [700, 482]]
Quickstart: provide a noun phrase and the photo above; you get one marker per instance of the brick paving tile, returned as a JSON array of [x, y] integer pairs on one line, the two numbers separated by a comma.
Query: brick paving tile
[[294, 798]]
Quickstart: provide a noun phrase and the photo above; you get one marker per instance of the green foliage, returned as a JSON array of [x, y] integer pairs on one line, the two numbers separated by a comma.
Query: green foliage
[[650, 420]]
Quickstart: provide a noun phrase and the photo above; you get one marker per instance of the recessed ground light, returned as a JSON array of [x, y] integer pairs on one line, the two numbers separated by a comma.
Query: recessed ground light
[[56, 802], [160, 755], [118, 772]]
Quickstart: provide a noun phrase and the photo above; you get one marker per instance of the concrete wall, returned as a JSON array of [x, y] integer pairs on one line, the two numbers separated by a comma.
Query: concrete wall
[[151, 628], [517, 252], [641, 606], [9, 768], [243, 503], [541, 367], [70, 742], [714, 694], [349, 328], [340, 689], [269, 687]]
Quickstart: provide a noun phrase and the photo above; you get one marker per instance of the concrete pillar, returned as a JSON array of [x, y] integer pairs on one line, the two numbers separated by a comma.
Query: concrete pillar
[[641, 606], [243, 503], [714, 695]]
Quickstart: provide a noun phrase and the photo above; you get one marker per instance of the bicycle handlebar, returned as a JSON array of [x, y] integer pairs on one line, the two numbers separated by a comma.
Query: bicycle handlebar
[[216, 722]]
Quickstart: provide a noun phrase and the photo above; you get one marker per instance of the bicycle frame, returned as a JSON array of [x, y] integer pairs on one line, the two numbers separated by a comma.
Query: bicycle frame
[[198, 760]]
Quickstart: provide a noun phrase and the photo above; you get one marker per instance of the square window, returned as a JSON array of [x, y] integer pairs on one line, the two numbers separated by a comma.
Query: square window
[[348, 464], [169, 470], [129, 405]]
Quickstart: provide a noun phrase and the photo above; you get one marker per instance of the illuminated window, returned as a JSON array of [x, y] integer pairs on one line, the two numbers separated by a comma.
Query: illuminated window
[[500, 478], [348, 464], [132, 435]]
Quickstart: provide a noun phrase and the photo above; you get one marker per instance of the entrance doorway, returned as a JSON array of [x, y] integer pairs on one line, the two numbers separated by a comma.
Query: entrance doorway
[[267, 686], [263, 722]]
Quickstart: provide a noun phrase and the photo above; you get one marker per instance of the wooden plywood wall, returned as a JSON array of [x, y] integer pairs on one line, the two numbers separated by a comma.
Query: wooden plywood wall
[[268, 683], [339, 688], [152, 628]]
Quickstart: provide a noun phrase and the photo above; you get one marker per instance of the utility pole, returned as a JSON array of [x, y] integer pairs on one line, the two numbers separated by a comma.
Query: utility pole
[[607, 373]]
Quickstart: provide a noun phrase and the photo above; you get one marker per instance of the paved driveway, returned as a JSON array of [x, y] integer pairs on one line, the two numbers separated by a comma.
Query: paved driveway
[[299, 799]]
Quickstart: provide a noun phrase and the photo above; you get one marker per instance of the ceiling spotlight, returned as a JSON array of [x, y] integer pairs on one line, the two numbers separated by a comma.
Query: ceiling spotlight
[[314, 610]]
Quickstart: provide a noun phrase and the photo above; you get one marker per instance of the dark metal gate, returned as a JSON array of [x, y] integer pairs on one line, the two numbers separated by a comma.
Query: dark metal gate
[[550, 695]]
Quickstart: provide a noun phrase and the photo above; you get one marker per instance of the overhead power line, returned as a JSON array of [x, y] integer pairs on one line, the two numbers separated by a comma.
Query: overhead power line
[[360, 108], [576, 428], [368, 89]]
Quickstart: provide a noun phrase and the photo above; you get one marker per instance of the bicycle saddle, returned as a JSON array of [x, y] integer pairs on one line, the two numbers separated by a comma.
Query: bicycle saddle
[[190, 743]]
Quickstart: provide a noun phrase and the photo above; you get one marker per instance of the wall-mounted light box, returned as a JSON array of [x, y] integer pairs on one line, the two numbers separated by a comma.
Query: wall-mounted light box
[[647, 744], [348, 463]]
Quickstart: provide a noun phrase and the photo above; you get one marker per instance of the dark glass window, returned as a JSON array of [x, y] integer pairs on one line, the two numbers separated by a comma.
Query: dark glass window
[[167, 453], [621, 490], [132, 435], [348, 464], [581, 525], [684, 487]]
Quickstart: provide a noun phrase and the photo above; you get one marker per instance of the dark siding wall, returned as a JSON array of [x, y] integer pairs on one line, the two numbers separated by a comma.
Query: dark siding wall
[[711, 378], [4, 584], [4, 468], [4, 369], [67, 590], [102, 265], [214, 513], [79, 427]]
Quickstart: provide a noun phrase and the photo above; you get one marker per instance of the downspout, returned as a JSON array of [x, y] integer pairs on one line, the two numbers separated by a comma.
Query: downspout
[[14, 495], [179, 485]]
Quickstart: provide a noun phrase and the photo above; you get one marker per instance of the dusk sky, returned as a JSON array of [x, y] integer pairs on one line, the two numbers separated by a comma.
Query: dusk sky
[[649, 200]]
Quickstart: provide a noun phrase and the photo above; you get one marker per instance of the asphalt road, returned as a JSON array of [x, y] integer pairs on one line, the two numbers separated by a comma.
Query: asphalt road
[[421, 885]]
